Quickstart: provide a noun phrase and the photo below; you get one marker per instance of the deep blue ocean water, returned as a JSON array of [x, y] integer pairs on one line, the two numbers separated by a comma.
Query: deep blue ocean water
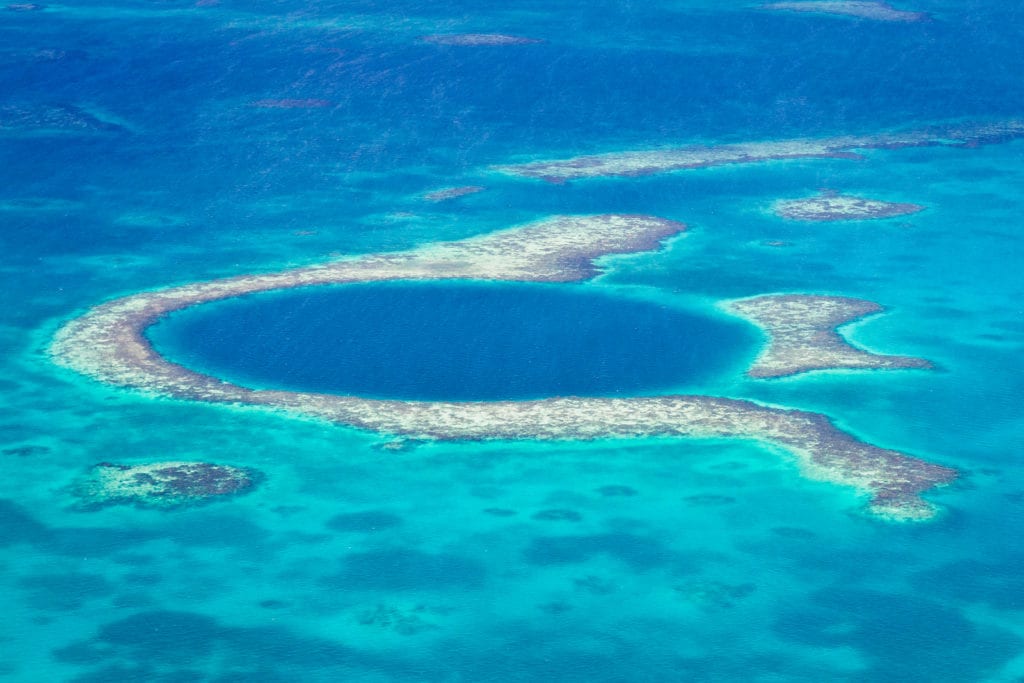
[[132, 157], [466, 342]]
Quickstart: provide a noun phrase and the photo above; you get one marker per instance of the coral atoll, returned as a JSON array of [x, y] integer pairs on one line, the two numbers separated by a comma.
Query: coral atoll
[[108, 344]]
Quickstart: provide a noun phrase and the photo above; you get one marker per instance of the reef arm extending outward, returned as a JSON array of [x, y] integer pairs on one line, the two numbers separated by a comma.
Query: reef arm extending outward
[[892, 480], [863, 9], [802, 335], [647, 162], [108, 344]]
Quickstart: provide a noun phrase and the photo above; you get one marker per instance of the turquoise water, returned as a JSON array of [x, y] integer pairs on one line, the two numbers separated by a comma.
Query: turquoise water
[[628, 560], [453, 342]]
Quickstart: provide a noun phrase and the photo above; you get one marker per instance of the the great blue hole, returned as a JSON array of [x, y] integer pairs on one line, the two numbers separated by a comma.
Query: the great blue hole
[[452, 341]]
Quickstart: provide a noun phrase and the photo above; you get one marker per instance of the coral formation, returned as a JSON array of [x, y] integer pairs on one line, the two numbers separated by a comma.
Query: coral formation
[[647, 162], [108, 344], [476, 39], [830, 206], [452, 193], [879, 11], [163, 484], [802, 335]]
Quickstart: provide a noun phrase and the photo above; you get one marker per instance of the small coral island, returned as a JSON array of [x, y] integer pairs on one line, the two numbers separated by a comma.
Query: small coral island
[[879, 11], [802, 335], [163, 484], [831, 206]]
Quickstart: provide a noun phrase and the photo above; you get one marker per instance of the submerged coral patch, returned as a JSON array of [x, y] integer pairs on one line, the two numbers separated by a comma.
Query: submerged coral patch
[[163, 484], [647, 162], [829, 206], [446, 193], [862, 9], [558, 515], [477, 39], [615, 490]]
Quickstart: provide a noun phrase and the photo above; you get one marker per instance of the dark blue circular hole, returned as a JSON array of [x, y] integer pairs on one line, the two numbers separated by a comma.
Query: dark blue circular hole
[[452, 341]]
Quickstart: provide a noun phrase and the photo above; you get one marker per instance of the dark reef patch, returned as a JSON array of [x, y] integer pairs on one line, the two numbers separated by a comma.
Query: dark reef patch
[[714, 595], [20, 527], [142, 578], [558, 515], [500, 512], [405, 622], [555, 608], [157, 642], [902, 637], [616, 490], [709, 500], [26, 451], [368, 521], [999, 584], [403, 569], [64, 592], [794, 533], [639, 552], [595, 585], [206, 530]]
